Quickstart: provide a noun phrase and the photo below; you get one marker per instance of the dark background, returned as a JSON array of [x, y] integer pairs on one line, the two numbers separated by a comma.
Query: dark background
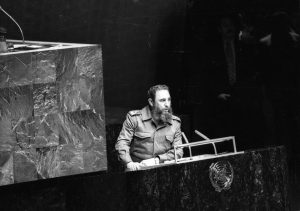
[[144, 42]]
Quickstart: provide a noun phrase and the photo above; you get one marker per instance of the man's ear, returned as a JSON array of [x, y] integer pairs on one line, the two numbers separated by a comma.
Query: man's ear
[[150, 101]]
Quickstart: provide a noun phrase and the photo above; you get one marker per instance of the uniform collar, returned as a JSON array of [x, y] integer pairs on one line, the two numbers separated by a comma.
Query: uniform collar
[[146, 114]]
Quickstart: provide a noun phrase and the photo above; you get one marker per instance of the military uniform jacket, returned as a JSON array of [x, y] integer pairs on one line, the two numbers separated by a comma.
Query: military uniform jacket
[[140, 138]]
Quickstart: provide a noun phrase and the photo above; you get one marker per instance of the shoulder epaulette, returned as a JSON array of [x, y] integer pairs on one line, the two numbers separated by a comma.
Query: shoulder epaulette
[[176, 118], [134, 112]]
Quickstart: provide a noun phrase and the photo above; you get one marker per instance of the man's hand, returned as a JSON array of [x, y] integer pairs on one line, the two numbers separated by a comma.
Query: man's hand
[[150, 162], [224, 96], [133, 166]]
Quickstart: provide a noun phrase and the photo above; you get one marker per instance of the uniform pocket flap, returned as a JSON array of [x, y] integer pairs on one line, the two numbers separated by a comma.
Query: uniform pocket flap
[[170, 138], [142, 134]]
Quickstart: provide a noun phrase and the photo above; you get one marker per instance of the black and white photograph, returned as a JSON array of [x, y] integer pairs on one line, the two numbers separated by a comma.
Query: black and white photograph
[[150, 105]]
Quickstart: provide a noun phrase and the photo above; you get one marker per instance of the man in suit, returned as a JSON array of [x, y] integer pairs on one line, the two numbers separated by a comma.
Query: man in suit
[[234, 95]]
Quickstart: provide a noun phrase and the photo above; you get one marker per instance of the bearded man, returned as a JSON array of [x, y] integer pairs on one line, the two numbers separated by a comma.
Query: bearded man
[[149, 135]]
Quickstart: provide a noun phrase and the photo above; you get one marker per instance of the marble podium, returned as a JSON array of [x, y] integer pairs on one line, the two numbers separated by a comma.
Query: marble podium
[[259, 183], [51, 111]]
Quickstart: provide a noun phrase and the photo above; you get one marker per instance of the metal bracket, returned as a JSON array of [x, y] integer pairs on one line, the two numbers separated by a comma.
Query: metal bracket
[[207, 141]]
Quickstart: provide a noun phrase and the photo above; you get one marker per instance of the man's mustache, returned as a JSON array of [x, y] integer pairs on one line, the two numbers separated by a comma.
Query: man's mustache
[[166, 110]]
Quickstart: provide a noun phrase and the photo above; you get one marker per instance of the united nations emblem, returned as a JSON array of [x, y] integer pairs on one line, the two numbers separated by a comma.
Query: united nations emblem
[[221, 175]]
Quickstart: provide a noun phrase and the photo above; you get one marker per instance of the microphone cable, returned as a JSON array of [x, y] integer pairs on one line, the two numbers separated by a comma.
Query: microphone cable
[[14, 22]]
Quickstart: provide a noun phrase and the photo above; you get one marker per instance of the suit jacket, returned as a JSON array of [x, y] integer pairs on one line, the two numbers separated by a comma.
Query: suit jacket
[[217, 68]]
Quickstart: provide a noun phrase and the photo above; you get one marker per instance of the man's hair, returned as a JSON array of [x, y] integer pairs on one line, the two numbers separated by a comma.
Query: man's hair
[[152, 91], [234, 18], [280, 21]]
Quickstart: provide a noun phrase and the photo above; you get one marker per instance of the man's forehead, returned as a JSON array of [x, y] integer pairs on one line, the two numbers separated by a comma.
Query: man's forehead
[[162, 94]]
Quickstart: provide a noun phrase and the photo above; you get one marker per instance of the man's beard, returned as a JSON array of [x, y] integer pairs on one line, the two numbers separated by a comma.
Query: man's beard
[[164, 115]]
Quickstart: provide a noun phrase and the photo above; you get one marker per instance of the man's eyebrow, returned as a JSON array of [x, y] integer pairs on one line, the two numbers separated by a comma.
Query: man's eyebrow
[[165, 98]]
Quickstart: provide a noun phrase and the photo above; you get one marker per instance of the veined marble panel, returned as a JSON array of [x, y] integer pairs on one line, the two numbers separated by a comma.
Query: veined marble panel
[[24, 165], [16, 108], [16, 70], [25, 69], [45, 98], [45, 65], [79, 82], [51, 114], [6, 167], [8, 138]]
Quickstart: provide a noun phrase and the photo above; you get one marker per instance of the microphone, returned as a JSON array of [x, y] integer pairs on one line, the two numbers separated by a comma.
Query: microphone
[[201, 135], [185, 138], [14, 22]]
